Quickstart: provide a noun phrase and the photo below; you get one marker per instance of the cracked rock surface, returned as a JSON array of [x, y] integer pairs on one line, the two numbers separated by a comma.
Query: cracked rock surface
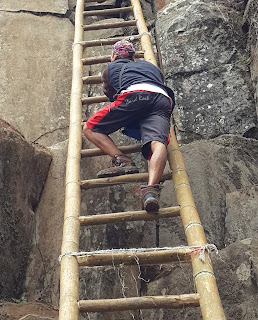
[[35, 80], [57, 6], [205, 59]]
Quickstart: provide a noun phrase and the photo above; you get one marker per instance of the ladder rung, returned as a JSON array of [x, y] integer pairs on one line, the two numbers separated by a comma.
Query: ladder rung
[[92, 79], [101, 42], [134, 257], [105, 182], [88, 1], [129, 216], [104, 59], [109, 25], [107, 11], [97, 152], [98, 99], [135, 303]]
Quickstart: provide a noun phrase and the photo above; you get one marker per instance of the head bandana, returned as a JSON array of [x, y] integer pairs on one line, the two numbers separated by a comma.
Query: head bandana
[[124, 48]]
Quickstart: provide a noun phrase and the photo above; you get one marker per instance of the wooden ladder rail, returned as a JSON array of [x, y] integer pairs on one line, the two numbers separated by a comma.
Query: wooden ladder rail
[[204, 279], [69, 274], [69, 279]]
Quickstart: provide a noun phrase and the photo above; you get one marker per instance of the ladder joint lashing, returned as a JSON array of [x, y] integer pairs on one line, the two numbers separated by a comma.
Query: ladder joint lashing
[[68, 295], [182, 185], [186, 206], [192, 224], [174, 150], [178, 169], [71, 217], [204, 273]]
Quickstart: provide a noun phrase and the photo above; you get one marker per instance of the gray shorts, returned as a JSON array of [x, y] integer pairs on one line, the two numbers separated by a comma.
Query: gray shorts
[[149, 112]]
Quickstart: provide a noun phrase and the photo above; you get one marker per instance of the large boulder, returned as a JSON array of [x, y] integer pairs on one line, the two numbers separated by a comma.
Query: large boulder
[[251, 26], [236, 279], [204, 56], [241, 219], [35, 79], [42, 277], [23, 170], [218, 169]]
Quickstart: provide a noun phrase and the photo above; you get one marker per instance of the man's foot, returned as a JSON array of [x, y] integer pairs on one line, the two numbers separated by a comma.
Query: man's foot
[[150, 198], [121, 164]]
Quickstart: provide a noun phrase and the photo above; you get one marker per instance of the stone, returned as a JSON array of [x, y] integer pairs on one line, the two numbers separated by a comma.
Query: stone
[[233, 271], [241, 221], [203, 52], [216, 168], [27, 311], [23, 170], [34, 317], [35, 80], [250, 26], [42, 276], [39, 6]]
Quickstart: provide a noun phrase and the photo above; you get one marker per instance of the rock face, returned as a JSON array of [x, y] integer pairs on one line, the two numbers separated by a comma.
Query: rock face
[[35, 80], [27, 311], [233, 163], [42, 278], [59, 6], [203, 51], [250, 23], [234, 271], [241, 217], [206, 56], [23, 170]]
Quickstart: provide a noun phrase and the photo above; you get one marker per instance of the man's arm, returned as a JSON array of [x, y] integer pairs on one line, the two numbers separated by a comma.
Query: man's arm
[[108, 90]]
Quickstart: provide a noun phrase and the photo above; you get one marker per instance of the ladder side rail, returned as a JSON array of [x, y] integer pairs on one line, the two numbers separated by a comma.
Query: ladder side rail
[[204, 278], [69, 275], [143, 31]]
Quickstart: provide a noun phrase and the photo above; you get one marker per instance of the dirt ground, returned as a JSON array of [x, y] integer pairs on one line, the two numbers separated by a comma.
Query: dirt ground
[[19, 311]]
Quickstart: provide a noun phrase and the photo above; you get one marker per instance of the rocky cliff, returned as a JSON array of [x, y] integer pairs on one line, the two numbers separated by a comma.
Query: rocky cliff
[[208, 53]]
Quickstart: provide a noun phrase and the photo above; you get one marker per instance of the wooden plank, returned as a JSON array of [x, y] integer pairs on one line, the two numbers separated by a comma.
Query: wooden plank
[[109, 25], [97, 152], [135, 258], [128, 178], [99, 1], [107, 11], [92, 79], [105, 59], [91, 100], [135, 303], [101, 42], [129, 216]]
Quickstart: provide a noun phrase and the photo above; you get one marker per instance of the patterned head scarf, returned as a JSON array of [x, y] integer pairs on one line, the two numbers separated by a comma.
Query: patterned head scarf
[[124, 49]]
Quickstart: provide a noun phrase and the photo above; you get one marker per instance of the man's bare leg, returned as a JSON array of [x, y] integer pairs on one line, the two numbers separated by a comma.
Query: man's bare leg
[[102, 141], [121, 163], [157, 162]]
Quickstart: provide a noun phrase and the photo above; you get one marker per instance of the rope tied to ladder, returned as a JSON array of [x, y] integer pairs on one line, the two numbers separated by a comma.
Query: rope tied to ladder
[[209, 248]]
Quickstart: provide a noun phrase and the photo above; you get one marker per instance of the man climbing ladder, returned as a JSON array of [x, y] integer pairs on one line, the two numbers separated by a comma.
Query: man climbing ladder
[[142, 104]]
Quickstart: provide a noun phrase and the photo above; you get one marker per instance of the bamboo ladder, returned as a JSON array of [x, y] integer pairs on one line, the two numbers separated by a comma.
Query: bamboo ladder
[[207, 295]]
